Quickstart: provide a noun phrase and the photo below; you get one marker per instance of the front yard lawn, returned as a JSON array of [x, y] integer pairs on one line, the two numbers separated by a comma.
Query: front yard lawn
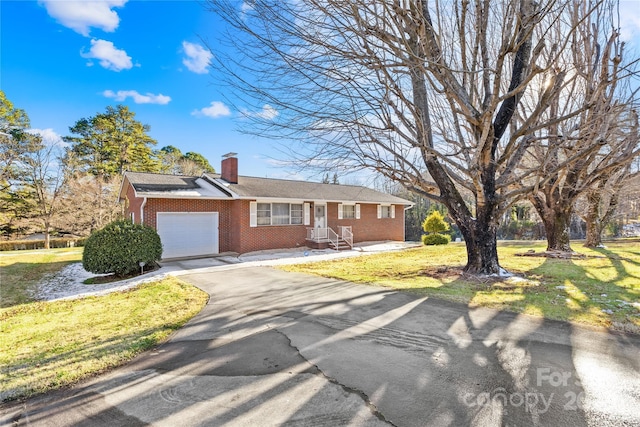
[[48, 345], [602, 289], [21, 271]]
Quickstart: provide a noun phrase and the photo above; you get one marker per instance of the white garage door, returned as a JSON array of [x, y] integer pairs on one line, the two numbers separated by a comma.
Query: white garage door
[[188, 234]]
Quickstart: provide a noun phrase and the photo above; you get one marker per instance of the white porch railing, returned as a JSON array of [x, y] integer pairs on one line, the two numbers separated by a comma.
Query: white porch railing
[[327, 235], [317, 234], [347, 234], [334, 240]]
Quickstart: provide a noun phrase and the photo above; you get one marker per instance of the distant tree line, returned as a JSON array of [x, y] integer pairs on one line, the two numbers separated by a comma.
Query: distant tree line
[[522, 222], [71, 189]]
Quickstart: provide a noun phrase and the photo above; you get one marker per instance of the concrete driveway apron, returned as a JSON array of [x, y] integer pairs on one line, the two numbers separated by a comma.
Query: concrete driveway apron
[[275, 348]]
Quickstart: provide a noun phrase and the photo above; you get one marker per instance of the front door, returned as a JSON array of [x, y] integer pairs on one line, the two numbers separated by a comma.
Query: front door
[[320, 220]]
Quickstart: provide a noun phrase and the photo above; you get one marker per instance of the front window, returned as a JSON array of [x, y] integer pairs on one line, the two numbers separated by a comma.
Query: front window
[[385, 211], [264, 213], [348, 211], [279, 214], [297, 215]]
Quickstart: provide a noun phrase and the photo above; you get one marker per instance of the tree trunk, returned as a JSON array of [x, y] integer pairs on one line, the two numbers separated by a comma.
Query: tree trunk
[[47, 235], [480, 236], [482, 252], [557, 224], [593, 220], [594, 234]]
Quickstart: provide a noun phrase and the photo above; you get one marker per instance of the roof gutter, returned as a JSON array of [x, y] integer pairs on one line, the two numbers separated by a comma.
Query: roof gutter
[[144, 202]]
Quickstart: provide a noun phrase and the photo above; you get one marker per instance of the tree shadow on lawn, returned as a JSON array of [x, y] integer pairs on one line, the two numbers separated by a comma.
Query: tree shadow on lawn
[[577, 293], [60, 368], [19, 282], [597, 291], [617, 258]]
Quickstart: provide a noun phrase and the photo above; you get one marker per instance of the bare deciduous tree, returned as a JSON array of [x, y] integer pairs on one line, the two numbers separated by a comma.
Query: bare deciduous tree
[[87, 203], [446, 97], [600, 205], [42, 174], [580, 154]]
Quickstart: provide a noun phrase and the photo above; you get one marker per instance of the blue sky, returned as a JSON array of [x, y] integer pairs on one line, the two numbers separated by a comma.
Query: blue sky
[[65, 60]]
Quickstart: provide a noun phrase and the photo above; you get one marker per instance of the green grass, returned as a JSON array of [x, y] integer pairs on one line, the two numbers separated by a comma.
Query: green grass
[[597, 290], [48, 345], [21, 271]]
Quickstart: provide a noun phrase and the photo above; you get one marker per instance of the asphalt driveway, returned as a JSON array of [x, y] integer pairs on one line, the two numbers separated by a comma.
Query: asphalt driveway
[[275, 348]]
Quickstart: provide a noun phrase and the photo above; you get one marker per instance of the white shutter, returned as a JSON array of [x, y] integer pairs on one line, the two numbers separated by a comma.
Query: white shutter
[[339, 210], [357, 211], [307, 214], [379, 211], [253, 214], [393, 211]]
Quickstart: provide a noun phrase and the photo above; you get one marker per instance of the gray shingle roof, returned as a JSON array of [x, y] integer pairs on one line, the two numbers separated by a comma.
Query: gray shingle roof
[[253, 187], [249, 186]]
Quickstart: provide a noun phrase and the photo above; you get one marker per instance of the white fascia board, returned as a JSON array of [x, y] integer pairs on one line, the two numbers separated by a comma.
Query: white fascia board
[[225, 185], [123, 196], [352, 202], [276, 200], [344, 202], [179, 196], [206, 186]]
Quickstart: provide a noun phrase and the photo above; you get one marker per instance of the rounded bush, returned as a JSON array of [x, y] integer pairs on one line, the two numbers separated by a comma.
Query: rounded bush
[[436, 239], [119, 247]]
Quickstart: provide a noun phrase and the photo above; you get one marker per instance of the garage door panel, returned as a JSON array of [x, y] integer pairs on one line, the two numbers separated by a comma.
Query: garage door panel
[[188, 234]]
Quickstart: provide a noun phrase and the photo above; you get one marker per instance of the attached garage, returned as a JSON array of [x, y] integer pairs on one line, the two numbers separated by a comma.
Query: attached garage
[[188, 234]]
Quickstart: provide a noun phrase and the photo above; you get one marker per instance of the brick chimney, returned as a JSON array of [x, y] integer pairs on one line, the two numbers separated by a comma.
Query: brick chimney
[[230, 168]]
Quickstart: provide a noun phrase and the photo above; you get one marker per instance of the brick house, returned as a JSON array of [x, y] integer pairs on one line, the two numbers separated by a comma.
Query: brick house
[[214, 213]]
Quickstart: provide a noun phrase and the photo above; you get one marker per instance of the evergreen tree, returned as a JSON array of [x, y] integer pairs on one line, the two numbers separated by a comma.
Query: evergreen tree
[[110, 143], [435, 223], [14, 141]]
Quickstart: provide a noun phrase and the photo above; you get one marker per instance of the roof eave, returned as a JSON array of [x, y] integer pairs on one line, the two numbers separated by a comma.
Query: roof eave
[[178, 196], [311, 199]]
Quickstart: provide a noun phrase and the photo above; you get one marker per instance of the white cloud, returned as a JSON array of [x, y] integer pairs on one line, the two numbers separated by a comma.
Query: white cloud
[[109, 56], [629, 19], [197, 57], [138, 98], [80, 16], [267, 113], [49, 137], [217, 109], [245, 8]]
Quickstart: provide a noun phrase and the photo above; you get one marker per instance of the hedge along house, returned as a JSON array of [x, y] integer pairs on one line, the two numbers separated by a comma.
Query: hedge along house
[[211, 214]]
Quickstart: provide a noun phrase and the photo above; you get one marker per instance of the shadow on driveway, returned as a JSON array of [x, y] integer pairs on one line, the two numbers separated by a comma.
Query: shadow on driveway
[[275, 348]]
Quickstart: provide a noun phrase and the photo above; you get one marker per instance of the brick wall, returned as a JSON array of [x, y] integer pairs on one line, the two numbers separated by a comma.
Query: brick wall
[[237, 236], [268, 236], [133, 204], [369, 228]]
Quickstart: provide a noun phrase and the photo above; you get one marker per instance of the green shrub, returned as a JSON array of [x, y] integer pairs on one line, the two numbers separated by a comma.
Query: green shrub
[[435, 223], [436, 239], [119, 248]]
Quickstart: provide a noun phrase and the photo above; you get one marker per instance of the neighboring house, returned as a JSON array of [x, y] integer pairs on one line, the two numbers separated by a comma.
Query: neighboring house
[[229, 213]]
